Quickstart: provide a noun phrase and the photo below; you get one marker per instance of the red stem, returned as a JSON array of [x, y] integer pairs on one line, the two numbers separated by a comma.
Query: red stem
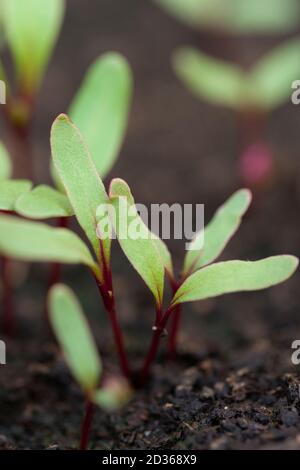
[[175, 322], [174, 331], [152, 352], [109, 304], [86, 425], [8, 300]]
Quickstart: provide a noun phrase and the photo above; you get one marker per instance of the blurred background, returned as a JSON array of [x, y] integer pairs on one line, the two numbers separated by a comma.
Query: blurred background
[[179, 149]]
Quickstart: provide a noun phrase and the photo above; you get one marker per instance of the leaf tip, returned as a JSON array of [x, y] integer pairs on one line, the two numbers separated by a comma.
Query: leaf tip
[[119, 187]]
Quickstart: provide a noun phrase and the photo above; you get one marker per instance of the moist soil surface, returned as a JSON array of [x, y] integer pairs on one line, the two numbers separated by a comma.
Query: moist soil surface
[[233, 385], [205, 401]]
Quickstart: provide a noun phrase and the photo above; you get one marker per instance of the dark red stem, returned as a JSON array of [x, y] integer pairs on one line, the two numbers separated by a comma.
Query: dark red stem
[[174, 331], [109, 304], [8, 300], [86, 425], [158, 330], [175, 323]]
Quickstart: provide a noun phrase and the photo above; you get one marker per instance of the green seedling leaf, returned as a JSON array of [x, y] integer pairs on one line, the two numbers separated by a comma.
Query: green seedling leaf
[[34, 241], [5, 163], [271, 78], [218, 232], [44, 202], [74, 336], [31, 29], [10, 191], [239, 16], [81, 180], [235, 276], [136, 240], [206, 77], [100, 108], [120, 187], [113, 395]]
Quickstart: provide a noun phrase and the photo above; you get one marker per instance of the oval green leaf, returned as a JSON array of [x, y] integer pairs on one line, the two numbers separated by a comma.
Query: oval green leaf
[[235, 276], [100, 108], [10, 191], [136, 240], [44, 202], [75, 338], [31, 28], [218, 232], [272, 77], [211, 79], [83, 185], [34, 241]]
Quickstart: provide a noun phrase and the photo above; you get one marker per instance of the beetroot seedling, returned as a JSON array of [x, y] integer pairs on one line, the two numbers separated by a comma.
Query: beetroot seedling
[[31, 29], [101, 108], [80, 351], [253, 94], [33, 241]]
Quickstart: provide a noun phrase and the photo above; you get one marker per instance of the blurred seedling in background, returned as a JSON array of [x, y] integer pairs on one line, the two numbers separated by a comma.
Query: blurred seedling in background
[[237, 17], [148, 254], [80, 352], [252, 94], [101, 109], [30, 29]]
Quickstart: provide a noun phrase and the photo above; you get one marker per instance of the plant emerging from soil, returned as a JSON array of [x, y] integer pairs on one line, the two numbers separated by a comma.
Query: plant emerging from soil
[[30, 29], [253, 94], [101, 108], [80, 351], [148, 254], [201, 278]]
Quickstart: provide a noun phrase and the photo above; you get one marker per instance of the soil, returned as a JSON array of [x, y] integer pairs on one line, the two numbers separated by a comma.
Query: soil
[[233, 385]]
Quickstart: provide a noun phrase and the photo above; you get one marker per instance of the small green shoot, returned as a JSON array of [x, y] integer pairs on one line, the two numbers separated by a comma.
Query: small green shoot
[[31, 25], [265, 86], [80, 351], [148, 254]]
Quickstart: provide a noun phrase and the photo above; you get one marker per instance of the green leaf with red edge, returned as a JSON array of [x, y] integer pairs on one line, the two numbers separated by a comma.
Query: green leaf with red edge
[[82, 183], [140, 245], [235, 276], [218, 232]]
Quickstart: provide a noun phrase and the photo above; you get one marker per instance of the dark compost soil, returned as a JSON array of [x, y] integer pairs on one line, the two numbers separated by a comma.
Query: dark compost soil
[[234, 386]]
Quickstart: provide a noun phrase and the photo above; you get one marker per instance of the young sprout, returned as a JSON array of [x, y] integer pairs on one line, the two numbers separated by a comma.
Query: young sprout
[[198, 281], [146, 252], [76, 341], [239, 16], [31, 29], [101, 108], [252, 94]]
